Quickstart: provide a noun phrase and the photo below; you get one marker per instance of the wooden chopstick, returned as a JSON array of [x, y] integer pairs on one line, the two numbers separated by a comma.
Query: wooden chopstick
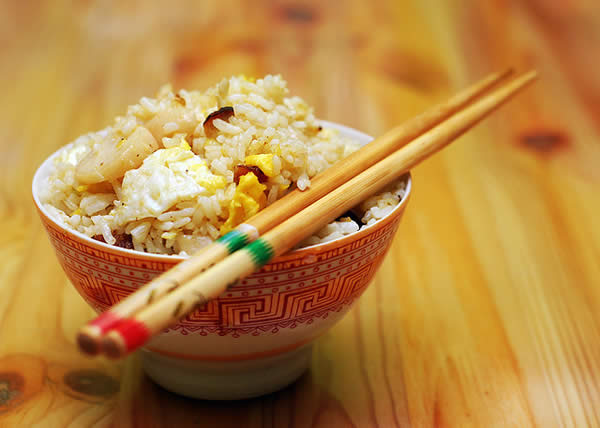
[[89, 336], [134, 332]]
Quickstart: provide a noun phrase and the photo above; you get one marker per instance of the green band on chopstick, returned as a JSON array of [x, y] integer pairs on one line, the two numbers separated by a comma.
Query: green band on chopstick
[[260, 251], [234, 240]]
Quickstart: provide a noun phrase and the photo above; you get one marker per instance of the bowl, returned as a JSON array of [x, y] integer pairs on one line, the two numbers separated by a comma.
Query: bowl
[[257, 337]]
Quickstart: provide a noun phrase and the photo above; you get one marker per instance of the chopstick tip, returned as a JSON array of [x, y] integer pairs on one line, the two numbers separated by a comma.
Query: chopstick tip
[[527, 77], [113, 345], [534, 73], [88, 340]]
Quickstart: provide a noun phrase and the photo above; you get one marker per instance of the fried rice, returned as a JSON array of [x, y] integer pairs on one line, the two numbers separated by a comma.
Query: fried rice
[[180, 170]]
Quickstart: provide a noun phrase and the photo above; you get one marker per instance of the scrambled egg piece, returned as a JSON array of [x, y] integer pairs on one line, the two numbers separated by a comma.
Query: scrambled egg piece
[[169, 235], [102, 187], [249, 198], [264, 162], [166, 177], [247, 79]]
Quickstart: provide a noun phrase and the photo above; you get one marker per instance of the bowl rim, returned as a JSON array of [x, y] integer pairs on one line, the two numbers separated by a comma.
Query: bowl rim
[[346, 131]]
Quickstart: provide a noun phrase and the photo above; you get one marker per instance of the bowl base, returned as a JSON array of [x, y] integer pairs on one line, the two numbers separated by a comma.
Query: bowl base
[[226, 380]]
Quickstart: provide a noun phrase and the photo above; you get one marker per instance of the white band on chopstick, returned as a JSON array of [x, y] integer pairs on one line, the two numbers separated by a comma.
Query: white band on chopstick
[[250, 231]]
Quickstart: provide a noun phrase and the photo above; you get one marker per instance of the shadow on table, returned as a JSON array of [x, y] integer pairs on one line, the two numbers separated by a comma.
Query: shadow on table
[[302, 404]]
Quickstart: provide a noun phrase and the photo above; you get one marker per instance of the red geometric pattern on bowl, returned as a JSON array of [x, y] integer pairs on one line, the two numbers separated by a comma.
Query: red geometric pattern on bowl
[[292, 289]]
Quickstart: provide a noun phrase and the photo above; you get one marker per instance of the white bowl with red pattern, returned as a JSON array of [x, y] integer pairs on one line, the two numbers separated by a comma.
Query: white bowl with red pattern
[[257, 337]]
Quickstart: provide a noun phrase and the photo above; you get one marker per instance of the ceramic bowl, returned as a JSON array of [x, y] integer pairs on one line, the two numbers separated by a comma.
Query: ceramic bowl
[[257, 337]]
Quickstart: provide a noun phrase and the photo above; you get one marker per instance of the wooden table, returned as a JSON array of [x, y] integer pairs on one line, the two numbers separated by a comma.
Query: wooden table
[[486, 311]]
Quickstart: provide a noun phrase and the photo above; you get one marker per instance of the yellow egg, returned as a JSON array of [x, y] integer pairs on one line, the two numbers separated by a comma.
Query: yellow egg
[[249, 198], [184, 144], [205, 178], [247, 79], [213, 182], [168, 235], [168, 176], [264, 162]]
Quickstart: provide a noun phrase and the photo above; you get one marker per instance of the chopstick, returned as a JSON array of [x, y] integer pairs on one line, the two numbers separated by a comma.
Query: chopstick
[[89, 336], [133, 332]]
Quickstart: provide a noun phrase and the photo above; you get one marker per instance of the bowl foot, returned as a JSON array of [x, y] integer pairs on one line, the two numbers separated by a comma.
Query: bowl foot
[[226, 380]]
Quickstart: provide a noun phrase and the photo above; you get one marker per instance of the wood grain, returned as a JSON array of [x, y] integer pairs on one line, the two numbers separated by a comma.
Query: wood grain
[[485, 312]]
